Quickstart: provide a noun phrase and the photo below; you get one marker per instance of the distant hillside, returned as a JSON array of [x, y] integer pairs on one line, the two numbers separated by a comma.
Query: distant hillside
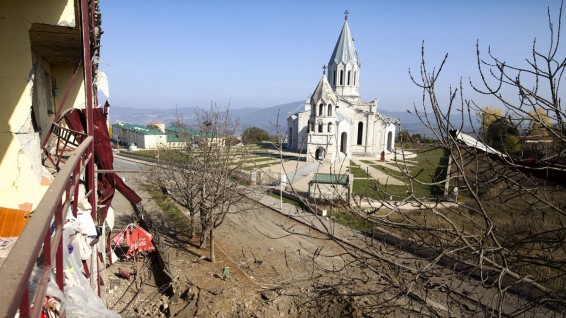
[[264, 118], [146, 116], [413, 124], [260, 117]]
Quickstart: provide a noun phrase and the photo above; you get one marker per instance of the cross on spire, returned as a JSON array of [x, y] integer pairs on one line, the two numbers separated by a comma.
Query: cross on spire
[[323, 69], [346, 15]]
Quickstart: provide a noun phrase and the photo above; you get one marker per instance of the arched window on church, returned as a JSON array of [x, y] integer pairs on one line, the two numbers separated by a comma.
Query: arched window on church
[[334, 78], [329, 127], [329, 109], [349, 73], [320, 110], [354, 77], [308, 127], [341, 77], [360, 132], [320, 127]]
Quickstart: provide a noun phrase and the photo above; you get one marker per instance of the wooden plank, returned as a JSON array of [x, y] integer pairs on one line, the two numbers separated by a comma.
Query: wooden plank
[[12, 222]]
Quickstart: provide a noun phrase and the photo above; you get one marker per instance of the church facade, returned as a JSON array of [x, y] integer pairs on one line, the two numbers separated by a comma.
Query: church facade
[[335, 123]]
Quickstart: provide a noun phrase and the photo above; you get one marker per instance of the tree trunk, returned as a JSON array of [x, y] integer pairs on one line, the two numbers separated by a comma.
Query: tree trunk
[[203, 239], [192, 229], [204, 227], [212, 256]]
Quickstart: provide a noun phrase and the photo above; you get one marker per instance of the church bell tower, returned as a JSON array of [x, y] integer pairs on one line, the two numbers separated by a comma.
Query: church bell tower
[[344, 65]]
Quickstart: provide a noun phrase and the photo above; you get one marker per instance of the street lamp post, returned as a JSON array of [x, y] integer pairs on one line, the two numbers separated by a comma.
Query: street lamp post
[[280, 176]]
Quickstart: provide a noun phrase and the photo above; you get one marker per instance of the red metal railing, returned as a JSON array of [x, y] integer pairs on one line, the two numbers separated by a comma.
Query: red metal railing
[[38, 240], [87, 23], [40, 245]]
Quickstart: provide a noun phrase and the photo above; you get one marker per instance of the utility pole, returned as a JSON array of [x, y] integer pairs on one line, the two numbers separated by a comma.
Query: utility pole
[[280, 175]]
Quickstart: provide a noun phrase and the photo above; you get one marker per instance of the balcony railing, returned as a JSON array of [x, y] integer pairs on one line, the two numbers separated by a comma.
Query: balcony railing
[[40, 244]]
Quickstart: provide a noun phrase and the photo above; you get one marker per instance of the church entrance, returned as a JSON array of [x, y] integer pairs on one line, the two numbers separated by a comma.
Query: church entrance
[[389, 140], [344, 143], [319, 154]]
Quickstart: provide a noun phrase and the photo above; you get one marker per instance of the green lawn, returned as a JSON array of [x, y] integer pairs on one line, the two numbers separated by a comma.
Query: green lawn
[[357, 171], [272, 155], [143, 153], [351, 221], [429, 167], [170, 209], [260, 159], [286, 200], [260, 166]]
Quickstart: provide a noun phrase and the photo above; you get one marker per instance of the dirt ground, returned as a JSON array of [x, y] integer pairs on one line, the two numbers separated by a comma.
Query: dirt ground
[[267, 259], [266, 268]]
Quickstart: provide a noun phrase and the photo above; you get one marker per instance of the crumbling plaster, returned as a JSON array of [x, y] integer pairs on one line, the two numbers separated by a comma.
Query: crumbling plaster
[[23, 179]]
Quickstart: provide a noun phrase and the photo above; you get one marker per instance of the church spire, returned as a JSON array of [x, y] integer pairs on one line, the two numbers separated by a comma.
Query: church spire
[[344, 51], [344, 65]]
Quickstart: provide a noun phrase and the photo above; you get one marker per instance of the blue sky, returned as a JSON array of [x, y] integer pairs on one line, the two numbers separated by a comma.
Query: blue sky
[[162, 54]]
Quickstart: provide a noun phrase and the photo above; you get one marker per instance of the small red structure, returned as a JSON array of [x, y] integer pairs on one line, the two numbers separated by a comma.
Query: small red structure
[[138, 239]]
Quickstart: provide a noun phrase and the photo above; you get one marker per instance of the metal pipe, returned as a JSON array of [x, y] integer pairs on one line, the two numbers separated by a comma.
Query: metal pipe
[[121, 171]]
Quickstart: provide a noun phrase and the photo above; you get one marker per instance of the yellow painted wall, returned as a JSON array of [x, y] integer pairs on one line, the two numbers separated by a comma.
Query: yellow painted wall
[[63, 74], [16, 61], [22, 182], [55, 12]]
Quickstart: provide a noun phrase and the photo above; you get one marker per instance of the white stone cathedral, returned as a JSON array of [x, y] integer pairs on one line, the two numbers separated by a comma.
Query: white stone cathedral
[[336, 124]]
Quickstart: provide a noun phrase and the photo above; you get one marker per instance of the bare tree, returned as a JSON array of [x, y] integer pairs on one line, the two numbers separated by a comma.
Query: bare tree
[[218, 167], [492, 243], [202, 175], [535, 87], [508, 221]]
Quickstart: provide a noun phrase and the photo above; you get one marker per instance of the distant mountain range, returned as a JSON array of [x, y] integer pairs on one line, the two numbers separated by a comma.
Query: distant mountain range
[[264, 118]]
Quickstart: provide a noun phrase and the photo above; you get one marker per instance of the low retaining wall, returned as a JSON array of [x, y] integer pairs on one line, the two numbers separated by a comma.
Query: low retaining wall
[[305, 204]]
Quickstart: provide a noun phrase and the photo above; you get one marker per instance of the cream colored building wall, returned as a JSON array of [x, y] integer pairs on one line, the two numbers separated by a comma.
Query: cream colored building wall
[[176, 144], [23, 180], [328, 191], [63, 74], [55, 12], [155, 141]]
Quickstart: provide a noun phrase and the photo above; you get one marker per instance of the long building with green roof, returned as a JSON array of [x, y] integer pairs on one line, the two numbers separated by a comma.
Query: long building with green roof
[[142, 137], [147, 137]]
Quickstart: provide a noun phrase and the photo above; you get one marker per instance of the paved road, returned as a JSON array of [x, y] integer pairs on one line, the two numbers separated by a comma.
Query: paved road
[[126, 164], [302, 172]]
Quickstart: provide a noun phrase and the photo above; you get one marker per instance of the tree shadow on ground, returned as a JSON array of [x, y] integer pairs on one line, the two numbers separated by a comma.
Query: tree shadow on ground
[[174, 236]]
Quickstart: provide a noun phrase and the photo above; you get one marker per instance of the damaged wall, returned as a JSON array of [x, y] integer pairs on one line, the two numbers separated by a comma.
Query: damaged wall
[[25, 84]]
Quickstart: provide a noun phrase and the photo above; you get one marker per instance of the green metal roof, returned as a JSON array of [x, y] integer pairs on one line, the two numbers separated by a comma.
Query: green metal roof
[[138, 128], [179, 132], [330, 178], [182, 130], [174, 134]]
